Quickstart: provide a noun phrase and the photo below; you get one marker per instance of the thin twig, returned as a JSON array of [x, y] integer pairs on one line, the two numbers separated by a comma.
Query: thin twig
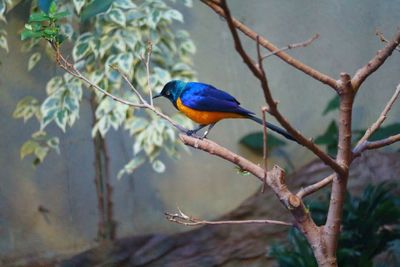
[[265, 148], [383, 39], [258, 71], [380, 57], [184, 219], [315, 187], [292, 46], [147, 63], [369, 145], [376, 125], [68, 67], [324, 78]]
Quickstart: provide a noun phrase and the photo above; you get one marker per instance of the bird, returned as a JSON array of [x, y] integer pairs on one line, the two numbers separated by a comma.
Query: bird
[[207, 105]]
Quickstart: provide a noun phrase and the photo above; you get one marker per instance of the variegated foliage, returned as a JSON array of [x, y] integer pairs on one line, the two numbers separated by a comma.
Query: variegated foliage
[[118, 35]]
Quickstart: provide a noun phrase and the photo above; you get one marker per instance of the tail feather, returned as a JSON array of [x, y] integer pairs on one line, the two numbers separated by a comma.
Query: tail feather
[[273, 127]]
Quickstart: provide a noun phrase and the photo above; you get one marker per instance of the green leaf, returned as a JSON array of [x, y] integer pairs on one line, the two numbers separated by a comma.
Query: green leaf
[[333, 104], [124, 4], [173, 14], [80, 50], [2, 7], [54, 84], [158, 166], [117, 16], [188, 47], [254, 141], [38, 17], [61, 119], [54, 144], [28, 148], [26, 108], [3, 43], [188, 3], [78, 4], [27, 34], [33, 60], [94, 8], [386, 131], [60, 15], [41, 152], [131, 166], [135, 125]]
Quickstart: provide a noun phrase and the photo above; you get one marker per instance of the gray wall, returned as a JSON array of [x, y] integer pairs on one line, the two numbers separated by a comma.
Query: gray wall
[[200, 185]]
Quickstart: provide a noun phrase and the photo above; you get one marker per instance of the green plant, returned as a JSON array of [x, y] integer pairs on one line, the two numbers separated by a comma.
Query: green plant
[[370, 226], [109, 33]]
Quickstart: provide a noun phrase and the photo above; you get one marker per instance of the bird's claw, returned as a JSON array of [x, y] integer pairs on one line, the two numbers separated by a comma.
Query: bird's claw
[[193, 133]]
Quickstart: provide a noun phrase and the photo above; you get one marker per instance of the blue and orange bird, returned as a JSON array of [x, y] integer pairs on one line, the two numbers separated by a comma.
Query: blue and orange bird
[[207, 105]]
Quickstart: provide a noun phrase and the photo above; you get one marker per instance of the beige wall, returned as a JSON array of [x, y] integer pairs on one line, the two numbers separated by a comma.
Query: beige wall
[[198, 184]]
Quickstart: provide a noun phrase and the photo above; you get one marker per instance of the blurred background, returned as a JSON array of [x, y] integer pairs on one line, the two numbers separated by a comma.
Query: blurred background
[[53, 207]]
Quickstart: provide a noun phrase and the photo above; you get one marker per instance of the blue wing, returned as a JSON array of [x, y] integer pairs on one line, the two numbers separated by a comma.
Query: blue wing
[[205, 97], [44, 5]]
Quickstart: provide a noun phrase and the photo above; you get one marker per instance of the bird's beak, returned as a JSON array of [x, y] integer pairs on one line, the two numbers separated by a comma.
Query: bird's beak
[[158, 95]]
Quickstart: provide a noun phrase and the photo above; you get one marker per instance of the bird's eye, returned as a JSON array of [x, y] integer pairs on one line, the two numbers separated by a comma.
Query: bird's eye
[[167, 93]]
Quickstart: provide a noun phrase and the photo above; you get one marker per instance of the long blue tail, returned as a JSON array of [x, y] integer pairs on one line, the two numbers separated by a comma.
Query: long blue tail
[[273, 128]]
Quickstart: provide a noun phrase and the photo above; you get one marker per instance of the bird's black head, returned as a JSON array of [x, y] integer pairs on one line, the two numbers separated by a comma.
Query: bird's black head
[[172, 90]]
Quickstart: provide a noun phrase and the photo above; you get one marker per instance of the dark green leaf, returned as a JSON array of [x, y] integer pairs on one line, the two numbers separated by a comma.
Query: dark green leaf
[[329, 138], [60, 15], [386, 131], [254, 141], [26, 34], [330, 135], [94, 8], [333, 104], [38, 17]]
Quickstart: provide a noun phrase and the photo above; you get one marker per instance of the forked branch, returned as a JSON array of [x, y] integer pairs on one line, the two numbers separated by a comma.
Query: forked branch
[[258, 71], [324, 78]]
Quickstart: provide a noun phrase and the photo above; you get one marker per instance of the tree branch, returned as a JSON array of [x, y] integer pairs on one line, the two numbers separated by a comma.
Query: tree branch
[[369, 145], [383, 39], [70, 68], [380, 57], [259, 72], [315, 187], [363, 143], [271, 47], [182, 218], [344, 157], [224, 153], [293, 46]]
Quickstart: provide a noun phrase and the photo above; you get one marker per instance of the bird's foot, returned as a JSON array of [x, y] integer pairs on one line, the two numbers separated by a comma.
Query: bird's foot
[[193, 133]]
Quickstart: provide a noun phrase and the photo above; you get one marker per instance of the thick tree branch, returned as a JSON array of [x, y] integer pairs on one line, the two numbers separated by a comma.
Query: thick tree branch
[[224, 153], [271, 47], [375, 62], [344, 157]]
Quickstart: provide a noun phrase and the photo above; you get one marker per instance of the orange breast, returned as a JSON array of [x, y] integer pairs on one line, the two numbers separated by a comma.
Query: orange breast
[[205, 117]]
